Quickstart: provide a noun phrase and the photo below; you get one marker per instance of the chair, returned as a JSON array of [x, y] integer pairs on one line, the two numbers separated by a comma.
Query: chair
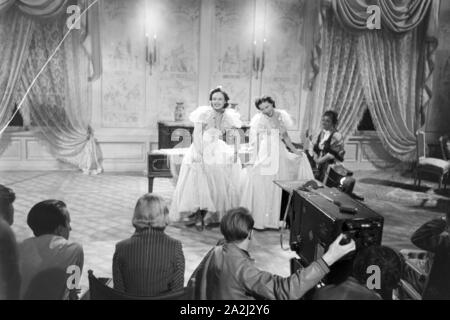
[[445, 147], [433, 166], [100, 291], [418, 264]]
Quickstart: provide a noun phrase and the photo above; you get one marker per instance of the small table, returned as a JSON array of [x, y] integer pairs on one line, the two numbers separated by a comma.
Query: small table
[[160, 164], [166, 163], [174, 138]]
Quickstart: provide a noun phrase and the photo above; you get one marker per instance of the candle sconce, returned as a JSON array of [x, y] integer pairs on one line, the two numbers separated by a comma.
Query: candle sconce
[[151, 53], [259, 63]]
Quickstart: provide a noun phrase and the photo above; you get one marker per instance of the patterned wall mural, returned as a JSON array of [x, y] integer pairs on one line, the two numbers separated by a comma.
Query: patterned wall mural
[[178, 50], [123, 82], [282, 75], [134, 97], [232, 50]]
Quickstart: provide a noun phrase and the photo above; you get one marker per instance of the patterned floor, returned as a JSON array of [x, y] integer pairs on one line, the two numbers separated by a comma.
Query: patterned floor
[[101, 208]]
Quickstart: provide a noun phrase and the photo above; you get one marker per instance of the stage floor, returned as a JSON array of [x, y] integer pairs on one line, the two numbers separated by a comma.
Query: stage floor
[[101, 208]]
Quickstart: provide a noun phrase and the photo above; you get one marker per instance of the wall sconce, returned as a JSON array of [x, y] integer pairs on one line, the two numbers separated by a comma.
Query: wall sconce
[[259, 63], [150, 53]]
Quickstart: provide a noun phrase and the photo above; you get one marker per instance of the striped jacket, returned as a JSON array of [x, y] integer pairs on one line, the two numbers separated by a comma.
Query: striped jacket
[[150, 263]]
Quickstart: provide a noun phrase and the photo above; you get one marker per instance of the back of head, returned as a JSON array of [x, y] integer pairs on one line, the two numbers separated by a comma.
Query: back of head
[[9, 265], [150, 212], [236, 225], [7, 198], [46, 216], [389, 262]]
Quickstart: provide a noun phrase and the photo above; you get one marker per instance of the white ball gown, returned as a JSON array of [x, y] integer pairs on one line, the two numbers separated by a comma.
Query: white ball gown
[[210, 172], [271, 160]]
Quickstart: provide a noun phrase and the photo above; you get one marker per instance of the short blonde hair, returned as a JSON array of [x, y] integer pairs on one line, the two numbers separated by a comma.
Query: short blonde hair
[[150, 212]]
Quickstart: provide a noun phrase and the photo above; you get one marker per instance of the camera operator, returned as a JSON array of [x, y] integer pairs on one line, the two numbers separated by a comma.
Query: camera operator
[[355, 285], [229, 273]]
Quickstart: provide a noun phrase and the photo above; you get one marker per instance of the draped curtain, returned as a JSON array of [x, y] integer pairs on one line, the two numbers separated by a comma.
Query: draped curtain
[[15, 34], [391, 78], [388, 70], [339, 85], [58, 100]]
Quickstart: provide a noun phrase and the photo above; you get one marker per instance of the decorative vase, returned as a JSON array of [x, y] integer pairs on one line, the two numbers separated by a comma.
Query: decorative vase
[[180, 112]]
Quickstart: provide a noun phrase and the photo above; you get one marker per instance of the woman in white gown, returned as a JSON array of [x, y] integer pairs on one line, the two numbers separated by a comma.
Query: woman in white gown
[[271, 160], [209, 179]]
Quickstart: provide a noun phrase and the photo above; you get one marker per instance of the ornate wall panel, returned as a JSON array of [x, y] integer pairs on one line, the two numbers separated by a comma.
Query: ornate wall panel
[[178, 43], [124, 78], [282, 78], [232, 50]]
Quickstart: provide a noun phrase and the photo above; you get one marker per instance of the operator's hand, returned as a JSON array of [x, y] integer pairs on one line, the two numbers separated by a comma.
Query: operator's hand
[[336, 251]]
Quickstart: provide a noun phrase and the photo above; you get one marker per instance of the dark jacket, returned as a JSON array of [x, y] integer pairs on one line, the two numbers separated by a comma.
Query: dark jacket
[[228, 273], [334, 145], [150, 263], [350, 289], [434, 237]]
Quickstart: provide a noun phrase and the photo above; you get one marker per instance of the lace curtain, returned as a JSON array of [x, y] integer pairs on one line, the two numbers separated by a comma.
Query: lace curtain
[[59, 101], [15, 35]]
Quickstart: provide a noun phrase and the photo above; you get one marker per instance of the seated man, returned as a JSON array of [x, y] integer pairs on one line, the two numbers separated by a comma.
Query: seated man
[[229, 273], [7, 198], [9, 264], [434, 237], [355, 286], [45, 259], [150, 263]]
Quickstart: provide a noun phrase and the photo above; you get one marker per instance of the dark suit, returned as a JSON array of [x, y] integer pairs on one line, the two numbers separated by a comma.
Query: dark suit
[[434, 237], [150, 263]]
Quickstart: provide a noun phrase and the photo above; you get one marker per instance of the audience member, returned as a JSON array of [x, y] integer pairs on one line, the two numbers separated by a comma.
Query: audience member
[[150, 263], [9, 265], [45, 258], [7, 198], [434, 237], [355, 287], [229, 273]]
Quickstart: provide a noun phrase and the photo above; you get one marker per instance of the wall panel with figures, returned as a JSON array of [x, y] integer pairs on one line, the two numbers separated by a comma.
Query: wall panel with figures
[[283, 55], [174, 78], [232, 50], [124, 77], [257, 50], [150, 52], [157, 53]]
